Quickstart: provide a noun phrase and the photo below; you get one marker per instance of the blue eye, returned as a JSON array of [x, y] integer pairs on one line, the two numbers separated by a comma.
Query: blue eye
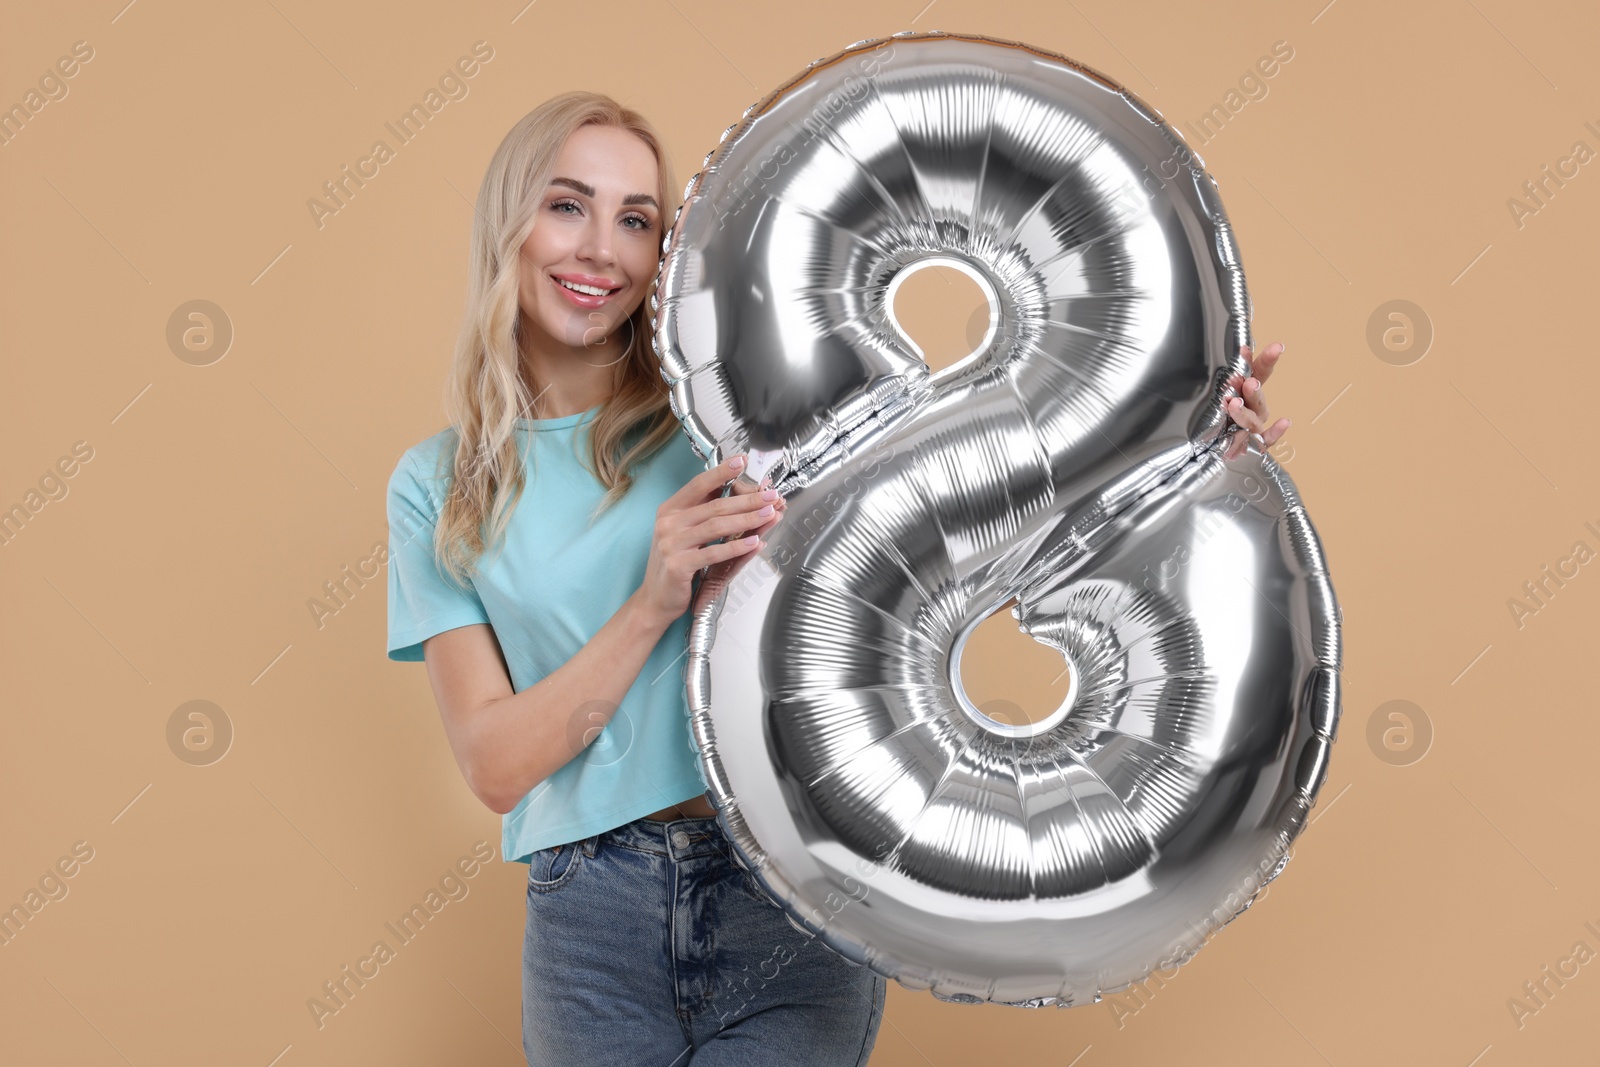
[[644, 222]]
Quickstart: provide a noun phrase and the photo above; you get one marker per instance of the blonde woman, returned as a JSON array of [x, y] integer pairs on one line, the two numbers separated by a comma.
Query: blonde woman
[[542, 558], [543, 551]]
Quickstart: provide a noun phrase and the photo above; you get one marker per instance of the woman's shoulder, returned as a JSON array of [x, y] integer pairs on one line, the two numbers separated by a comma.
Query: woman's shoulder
[[432, 452], [425, 465]]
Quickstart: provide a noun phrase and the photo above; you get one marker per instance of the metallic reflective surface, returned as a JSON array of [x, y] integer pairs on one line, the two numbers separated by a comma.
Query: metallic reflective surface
[[1072, 462]]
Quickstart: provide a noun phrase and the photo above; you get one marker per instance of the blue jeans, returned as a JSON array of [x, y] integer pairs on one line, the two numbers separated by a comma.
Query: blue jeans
[[649, 945]]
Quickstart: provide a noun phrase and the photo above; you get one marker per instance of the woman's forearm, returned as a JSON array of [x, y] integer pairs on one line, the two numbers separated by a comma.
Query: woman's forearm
[[520, 740]]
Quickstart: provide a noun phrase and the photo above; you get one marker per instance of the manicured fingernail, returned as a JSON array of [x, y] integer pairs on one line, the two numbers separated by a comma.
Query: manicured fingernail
[[769, 494], [736, 462], [752, 539]]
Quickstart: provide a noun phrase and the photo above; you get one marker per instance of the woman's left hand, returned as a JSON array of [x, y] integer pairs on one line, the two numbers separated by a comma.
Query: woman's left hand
[[715, 578], [1249, 408]]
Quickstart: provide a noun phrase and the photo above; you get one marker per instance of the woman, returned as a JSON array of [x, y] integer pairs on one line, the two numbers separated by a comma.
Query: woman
[[645, 941]]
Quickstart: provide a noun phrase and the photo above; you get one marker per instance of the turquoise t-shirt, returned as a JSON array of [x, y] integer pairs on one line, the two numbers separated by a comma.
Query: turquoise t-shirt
[[551, 585]]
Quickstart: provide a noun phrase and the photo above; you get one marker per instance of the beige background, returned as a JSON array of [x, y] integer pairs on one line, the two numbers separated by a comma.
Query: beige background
[[209, 504]]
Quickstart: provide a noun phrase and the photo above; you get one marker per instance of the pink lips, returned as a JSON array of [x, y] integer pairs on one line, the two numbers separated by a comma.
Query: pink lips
[[584, 300]]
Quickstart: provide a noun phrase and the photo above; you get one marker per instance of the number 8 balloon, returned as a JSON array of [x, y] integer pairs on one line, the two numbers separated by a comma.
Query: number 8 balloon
[[1074, 462]]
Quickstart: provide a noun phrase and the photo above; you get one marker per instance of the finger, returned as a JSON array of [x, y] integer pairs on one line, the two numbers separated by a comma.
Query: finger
[[1270, 438], [1235, 446], [719, 574], [1246, 422], [744, 486], [1261, 366], [1254, 398], [1242, 414], [706, 483], [728, 525], [767, 526], [716, 518], [732, 504], [722, 550]]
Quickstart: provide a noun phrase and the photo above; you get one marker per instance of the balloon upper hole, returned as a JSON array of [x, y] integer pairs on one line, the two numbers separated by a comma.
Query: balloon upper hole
[[945, 309]]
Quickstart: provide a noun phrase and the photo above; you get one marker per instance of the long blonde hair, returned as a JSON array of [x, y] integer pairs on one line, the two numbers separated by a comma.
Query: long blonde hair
[[487, 392]]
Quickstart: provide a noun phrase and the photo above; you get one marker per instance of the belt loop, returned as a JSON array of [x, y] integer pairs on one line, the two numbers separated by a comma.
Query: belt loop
[[590, 844]]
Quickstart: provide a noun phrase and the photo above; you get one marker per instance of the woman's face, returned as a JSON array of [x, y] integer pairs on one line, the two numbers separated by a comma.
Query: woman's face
[[598, 226]]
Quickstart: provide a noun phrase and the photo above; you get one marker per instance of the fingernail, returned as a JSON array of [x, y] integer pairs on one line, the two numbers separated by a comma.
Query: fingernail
[[769, 494], [764, 512], [736, 462]]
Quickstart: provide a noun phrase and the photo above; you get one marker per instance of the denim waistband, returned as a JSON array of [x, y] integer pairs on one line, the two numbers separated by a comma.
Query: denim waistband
[[681, 839]]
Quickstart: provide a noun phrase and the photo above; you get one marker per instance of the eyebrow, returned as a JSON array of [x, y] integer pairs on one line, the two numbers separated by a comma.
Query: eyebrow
[[588, 190]]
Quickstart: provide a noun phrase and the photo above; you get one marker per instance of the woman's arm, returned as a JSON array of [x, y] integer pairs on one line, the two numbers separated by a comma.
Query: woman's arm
[[507, 742]]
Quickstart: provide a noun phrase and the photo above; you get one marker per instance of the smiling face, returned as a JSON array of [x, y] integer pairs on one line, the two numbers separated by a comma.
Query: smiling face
[[594, 247]]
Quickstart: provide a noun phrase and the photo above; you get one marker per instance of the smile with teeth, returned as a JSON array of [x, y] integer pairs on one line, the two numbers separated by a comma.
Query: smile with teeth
[[589, 290]]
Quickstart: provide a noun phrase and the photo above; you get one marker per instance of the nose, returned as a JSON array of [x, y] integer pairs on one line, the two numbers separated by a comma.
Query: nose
[[596, 244]]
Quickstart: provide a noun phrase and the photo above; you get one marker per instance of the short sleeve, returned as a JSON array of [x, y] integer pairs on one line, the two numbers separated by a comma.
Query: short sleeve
[[423, 601]]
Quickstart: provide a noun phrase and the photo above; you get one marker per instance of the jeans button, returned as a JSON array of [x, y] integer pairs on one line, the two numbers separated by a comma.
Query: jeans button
[[680, 839]]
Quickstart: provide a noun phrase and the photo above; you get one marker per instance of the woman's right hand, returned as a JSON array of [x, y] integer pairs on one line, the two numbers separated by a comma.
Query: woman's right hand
[[686, 524]]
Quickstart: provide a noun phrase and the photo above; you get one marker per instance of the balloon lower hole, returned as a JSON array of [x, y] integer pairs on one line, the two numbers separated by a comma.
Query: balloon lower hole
[[1002, 716]]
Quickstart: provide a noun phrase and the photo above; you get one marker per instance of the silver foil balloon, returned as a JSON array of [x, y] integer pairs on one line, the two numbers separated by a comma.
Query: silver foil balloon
[[1073, 462]]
